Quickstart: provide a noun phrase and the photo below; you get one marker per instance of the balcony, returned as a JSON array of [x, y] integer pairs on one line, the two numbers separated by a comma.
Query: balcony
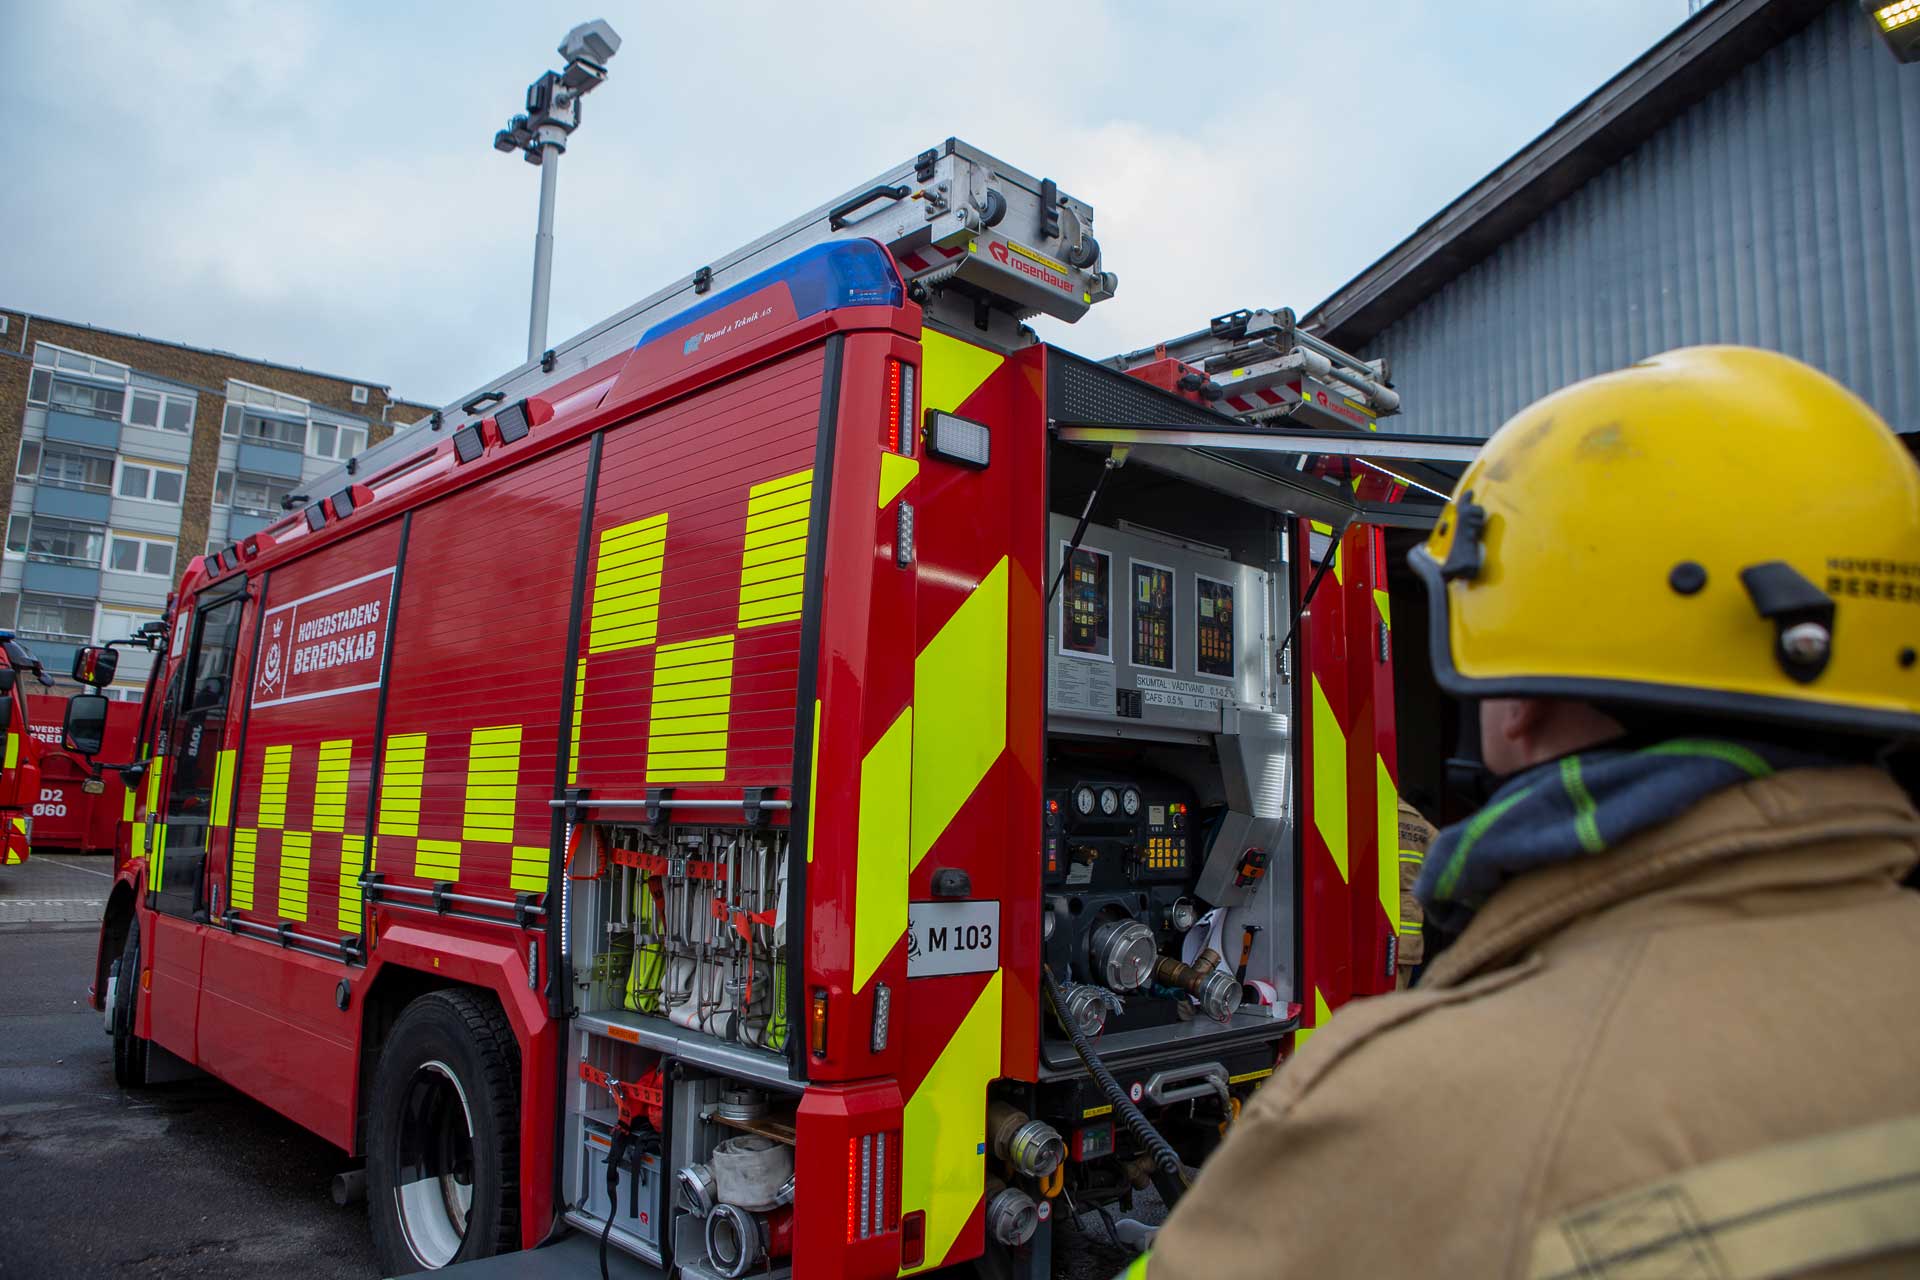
[[46, 575], [72, 502], [83, 429], [278, 462], [243, 522], [55, 652]]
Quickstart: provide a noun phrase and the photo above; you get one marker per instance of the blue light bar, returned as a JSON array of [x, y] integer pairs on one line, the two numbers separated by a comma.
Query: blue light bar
[[846, 273]]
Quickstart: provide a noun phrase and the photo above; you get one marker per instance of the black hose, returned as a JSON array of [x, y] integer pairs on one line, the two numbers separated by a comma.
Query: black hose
[[1149, 1137]]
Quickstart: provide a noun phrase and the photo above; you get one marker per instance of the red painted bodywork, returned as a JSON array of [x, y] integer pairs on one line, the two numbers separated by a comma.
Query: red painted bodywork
[[65, 817]]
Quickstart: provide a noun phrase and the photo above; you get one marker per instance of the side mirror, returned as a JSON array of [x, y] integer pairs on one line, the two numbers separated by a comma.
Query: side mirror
[[94, 666], [8, 677], [85, 729]]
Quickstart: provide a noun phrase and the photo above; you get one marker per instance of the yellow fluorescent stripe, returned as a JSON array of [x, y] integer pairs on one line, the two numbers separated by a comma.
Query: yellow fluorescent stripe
[[330, 786], [240, 892], [490, 787], [437, 859], [222, 788], [1385, 606], [771, 587], [944, 1167], [1320, 1015], [813, 779], [352, 855], [880, 872], [1387, 800], [13, 750], [529, 869], [960, 709], [296, 855], [579, 708], [400, 774], [896, 473], [952, 370], [692, 694], [663, 742], [626, 587], [273, 787], [1330, 778]]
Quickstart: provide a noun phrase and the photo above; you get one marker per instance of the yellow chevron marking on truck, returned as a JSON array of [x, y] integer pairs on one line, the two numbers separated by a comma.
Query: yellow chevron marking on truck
[[1329, 778], [896, 473], [157, 855], [13, 750], [813, 778], [401, 769], [353, 851], [773, 567], [1387, 801], [626, 585], [952, 370], [493, 779], [222, 788], [274, 772], [296, 860], [240, 877], [1320, 1015], [692, 695], [943, 1166], [436, 859], [960, 709], [330, 785], [880, 869]]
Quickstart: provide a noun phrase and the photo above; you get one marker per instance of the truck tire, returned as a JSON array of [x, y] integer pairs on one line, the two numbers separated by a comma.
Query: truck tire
[[129, 1050], [443, 1135]]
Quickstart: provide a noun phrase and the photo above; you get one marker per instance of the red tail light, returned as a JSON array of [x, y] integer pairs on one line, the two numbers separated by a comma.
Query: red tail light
[[900, 406], [873, 1185]]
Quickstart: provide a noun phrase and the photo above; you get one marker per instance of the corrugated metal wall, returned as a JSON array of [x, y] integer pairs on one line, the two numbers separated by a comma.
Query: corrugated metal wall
[[1783, 211]]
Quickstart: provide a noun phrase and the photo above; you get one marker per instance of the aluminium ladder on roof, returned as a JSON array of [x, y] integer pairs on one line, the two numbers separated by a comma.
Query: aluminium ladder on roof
[[970, 233]]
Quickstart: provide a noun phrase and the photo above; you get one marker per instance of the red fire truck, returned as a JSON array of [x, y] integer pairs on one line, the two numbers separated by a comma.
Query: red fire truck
[[20, 773], [803, 778], [78, 809]]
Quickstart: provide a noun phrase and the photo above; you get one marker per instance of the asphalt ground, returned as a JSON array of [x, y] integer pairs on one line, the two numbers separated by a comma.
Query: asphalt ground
[[190, 1179], [185, 1179]]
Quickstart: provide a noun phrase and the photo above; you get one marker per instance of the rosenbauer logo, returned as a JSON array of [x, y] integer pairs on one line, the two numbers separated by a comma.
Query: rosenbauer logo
[[1028, 263], [328, 643]]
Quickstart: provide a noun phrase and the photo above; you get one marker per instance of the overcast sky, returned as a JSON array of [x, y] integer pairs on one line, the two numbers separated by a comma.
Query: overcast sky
[[314, 183]]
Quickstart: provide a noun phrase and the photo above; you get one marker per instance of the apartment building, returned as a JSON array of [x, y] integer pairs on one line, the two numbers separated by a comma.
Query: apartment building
[[127, 456]]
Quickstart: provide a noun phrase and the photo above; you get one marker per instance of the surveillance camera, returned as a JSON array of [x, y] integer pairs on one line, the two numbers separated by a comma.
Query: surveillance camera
[[503, 141], [590, 41]]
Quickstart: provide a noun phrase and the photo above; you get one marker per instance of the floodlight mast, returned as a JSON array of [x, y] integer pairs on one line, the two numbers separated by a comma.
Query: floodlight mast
[[553, 112]]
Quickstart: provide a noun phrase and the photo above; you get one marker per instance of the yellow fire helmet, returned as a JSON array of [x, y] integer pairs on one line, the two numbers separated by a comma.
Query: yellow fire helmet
[[1715, 530]]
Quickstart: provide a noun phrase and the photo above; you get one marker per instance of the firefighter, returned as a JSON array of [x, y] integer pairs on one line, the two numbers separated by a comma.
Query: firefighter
[[1416, 833], [1672, 1030]]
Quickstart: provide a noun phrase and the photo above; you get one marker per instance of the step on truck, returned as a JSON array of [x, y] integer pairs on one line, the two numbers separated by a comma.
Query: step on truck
[[803, 778]]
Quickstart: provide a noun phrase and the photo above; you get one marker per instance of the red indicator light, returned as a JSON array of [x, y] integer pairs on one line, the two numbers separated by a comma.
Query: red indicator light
[[893, 405]]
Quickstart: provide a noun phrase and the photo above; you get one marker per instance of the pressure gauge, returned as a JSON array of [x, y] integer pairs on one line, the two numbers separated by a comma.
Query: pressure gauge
[[1109, 801], [1130, 801], [1083, 800]]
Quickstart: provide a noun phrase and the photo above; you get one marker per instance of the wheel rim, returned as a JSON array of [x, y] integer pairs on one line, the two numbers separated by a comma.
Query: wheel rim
[[433, 1178]]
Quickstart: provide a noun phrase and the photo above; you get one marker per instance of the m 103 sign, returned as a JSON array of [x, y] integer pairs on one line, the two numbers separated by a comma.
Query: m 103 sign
[[328, 643]]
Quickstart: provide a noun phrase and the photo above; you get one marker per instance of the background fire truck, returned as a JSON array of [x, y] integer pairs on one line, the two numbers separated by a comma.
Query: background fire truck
[[802, 777], [20, 770], [67, 817]]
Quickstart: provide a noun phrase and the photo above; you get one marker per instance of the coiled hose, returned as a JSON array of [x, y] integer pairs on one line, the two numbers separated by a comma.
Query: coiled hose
[[1149, 1137]]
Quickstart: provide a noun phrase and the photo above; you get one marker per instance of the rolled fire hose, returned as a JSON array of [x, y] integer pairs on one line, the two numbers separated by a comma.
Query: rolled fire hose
[[1163, 1154]]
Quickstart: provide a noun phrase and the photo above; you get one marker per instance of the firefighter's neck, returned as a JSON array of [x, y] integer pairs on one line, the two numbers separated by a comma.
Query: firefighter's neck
[[1518, 733]]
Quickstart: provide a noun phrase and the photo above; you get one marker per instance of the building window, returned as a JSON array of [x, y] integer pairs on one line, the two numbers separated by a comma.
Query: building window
[[150, 483], [56, 618], [255, 496], [65, 542], [161, 410], [280, 433], [223, 489], [17, 534], [90, 398], [9, 606], [146, 556], [120, 624], [359, 395], [68, 468], [328, 440], [29, 465]]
